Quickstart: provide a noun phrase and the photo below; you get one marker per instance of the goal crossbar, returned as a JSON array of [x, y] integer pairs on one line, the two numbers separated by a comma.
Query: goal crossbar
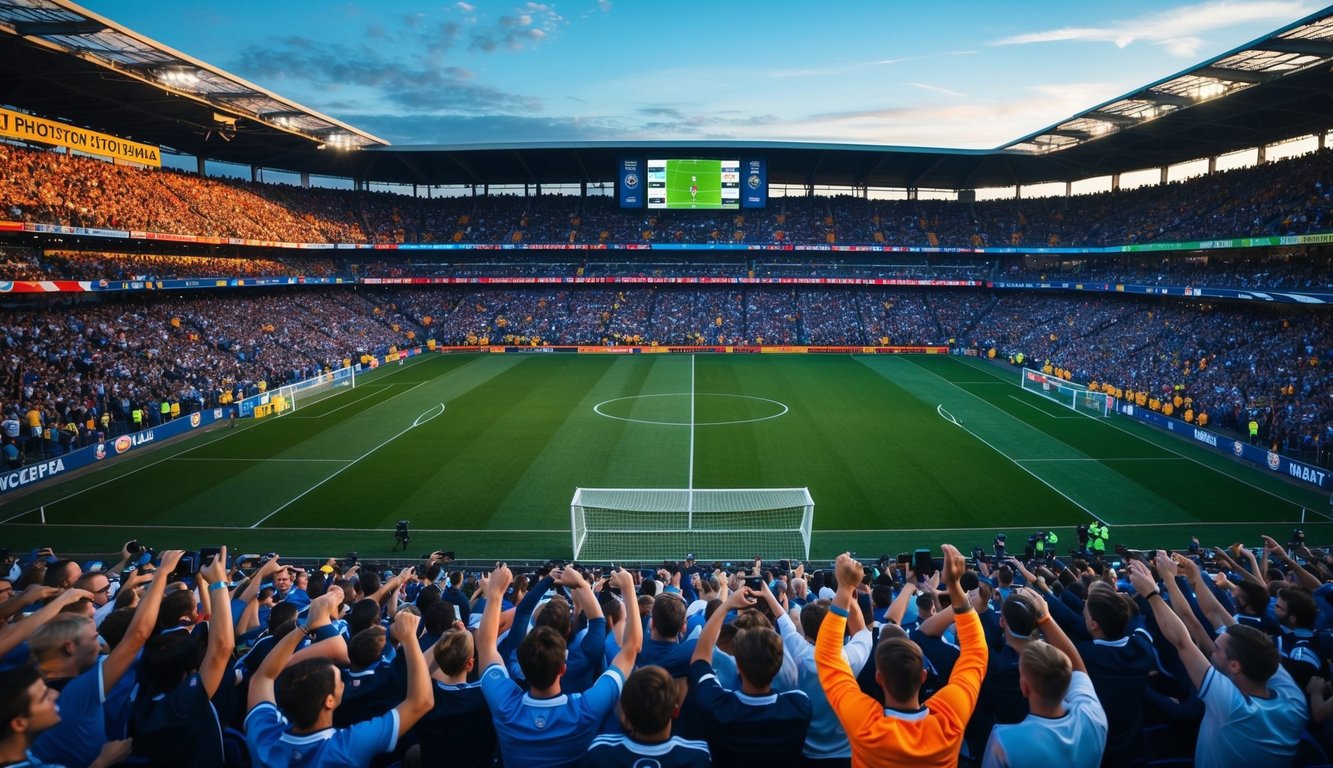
[[711, 523]]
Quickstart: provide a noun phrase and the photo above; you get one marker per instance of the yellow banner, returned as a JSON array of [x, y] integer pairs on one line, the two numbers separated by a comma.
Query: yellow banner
[[17, 125]]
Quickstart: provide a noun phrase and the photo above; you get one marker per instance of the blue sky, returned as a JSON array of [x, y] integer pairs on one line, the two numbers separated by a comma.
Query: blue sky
[[950, 74]]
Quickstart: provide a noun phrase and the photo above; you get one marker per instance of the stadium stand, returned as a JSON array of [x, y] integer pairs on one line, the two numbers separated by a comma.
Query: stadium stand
[[1211, 656], [1279, 652]]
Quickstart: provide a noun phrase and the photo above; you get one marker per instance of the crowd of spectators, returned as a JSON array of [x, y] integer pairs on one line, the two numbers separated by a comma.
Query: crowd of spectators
[[73, 371], [1233, 363], [1223, 365], [1208, 657], [1311, 271], [1286, 197], [98, 265]]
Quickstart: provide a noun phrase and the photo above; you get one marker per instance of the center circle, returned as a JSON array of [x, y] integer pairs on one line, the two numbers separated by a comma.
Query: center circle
[[712, 401]]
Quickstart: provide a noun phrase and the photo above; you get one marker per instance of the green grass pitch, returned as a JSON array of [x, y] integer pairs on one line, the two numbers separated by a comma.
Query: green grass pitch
[[483, 452], [706, 175]]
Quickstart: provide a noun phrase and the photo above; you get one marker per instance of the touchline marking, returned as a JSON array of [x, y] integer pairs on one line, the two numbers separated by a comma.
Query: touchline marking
[[565, 531], [225, 433], [126, 526], [422, 419], [1155, 444], [949, 418], [1126, 458], [690, 485], [376, 387], [302, 461], [1039, 409]]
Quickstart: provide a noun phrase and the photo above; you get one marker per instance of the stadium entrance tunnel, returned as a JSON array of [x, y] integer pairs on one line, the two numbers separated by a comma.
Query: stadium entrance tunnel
[[683, 409]]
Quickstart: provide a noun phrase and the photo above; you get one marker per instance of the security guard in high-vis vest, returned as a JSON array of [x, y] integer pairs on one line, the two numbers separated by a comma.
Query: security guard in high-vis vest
[[1098, 533], [1254, 431], [137, 417]]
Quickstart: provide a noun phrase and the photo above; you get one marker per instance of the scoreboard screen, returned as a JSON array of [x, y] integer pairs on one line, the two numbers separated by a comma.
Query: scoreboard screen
[[703, 185]]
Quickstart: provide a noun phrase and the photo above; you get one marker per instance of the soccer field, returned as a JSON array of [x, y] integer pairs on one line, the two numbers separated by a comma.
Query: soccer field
[[701, 176], [482, 454]]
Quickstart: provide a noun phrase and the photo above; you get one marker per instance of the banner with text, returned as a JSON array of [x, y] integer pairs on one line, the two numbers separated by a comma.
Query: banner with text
[[17, 125], [1296, 470], [44, 469]]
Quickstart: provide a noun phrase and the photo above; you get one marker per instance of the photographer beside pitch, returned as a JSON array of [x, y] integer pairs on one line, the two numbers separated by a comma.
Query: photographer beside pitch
[[902, 731]]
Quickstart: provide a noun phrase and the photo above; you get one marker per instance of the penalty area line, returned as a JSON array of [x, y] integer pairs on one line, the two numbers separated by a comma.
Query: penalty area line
[[422, 419], [1016, 462]]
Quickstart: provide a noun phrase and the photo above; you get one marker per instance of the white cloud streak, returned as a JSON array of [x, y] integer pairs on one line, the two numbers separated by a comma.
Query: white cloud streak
[[1177, 30]]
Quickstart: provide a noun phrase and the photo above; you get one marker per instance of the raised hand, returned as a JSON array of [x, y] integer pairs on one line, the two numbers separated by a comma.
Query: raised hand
[[499, 582], [216, 571], [1141, 578], [954, 565], [170, 559], [849, 571], [404, 628]]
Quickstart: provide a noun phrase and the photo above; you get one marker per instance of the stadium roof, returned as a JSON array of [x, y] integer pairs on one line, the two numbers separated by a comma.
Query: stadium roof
[[61, 61], [64, 61]]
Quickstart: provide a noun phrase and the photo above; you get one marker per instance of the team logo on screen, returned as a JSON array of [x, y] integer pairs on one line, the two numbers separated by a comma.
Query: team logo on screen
[[99, 452], [753, 181], [1238, 447], [194, 420], [1274, 461], [123, 443], [631, 180]]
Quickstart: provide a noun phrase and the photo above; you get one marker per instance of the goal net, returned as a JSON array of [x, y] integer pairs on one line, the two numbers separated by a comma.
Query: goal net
[[316, 388], [290, 397], [1071, 395], [641, 524]]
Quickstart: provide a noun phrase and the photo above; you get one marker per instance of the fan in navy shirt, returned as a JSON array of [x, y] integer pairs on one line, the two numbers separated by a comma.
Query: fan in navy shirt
[[458, 732], [751, 726], [173, 721], [371, 685], [547, 727], [67, 650], [647, 706], [27, 708], [309, 691]]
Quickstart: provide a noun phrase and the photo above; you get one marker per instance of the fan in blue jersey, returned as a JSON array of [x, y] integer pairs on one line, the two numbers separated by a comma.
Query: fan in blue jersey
[[647, 706], [27, 708], [291, 714], [545, 726]]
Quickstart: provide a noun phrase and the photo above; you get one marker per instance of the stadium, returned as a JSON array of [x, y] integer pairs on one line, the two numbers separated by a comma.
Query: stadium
[[624, 352]]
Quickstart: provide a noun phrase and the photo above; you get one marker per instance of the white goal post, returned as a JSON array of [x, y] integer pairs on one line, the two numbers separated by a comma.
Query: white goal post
[[316, 388], [1071, 395], [647, 524], [290, 397]]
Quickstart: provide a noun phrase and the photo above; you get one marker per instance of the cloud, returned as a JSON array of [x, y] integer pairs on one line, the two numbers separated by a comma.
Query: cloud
[[1176, 30], [837, 69], [406, 84], [527, 25], [936, 89]]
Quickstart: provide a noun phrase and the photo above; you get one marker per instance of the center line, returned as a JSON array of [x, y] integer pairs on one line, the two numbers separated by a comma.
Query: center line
[[689, 497]]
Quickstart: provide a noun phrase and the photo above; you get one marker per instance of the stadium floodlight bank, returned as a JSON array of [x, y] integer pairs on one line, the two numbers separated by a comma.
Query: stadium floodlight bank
[[1071, 395], [646, 524]]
